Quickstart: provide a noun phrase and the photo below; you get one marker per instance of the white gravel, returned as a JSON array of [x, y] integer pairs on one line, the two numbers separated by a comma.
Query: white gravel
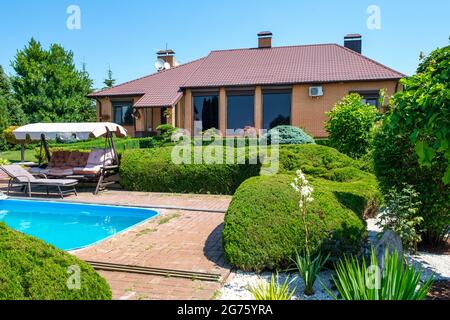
[[237, 287], [239, 282], [432, 264]]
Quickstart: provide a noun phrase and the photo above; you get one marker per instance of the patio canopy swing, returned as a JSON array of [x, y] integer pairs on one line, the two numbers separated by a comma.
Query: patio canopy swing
[[95, 166]]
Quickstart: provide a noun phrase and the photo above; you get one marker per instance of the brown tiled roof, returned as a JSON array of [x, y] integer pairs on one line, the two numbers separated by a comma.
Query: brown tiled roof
[[158, 90], [248, 67], [287, 65]]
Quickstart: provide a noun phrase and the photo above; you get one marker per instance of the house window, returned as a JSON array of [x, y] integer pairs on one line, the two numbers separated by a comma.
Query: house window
[[206, 111], [276, 108], [370, 97], [240, 110], [123, 113]]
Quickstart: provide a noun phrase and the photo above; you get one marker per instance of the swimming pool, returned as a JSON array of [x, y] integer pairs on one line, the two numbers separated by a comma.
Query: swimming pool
[[70, 226]]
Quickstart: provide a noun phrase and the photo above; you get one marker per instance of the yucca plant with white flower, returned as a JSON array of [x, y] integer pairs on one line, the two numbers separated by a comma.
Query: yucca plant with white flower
[[308, 264]]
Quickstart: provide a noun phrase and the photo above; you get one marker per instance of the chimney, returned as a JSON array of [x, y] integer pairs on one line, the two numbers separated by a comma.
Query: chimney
[[353, 42], [265, 39], [168, 56]]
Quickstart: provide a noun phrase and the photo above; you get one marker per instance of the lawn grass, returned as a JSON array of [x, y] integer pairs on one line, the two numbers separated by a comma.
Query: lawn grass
[[14, 156]]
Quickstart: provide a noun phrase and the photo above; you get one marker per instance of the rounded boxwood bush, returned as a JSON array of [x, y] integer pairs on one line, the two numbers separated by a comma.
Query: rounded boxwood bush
[[32, 269], [288, 135], [263, 228], [153, 170]]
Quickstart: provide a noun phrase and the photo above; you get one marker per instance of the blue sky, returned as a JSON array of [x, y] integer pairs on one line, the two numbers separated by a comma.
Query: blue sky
[[126, 34]]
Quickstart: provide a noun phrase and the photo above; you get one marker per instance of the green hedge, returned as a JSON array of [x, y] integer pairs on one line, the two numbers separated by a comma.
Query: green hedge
[[152, 170], [121, 144], [263, 228], [32, 269]]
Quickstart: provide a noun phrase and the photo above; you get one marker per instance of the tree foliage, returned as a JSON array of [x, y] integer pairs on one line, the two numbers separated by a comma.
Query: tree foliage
[[423, 109], [49, 87], [350, 126], [411, 146], [109, 81], [10, 111]]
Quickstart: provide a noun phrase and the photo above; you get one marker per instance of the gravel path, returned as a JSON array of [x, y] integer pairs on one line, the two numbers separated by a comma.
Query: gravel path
[[236, 288]]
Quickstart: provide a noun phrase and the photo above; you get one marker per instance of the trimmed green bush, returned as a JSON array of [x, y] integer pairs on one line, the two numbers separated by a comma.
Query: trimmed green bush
[[153, 170], [312, 159], [263, 228], [350, 126], [289, 135], [32, 269]]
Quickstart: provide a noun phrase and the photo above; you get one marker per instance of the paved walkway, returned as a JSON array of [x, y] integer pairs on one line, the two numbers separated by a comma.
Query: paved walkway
[[185, 240]]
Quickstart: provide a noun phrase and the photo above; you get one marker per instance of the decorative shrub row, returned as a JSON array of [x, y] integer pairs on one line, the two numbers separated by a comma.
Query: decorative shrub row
[[152, 170], [32, 269]]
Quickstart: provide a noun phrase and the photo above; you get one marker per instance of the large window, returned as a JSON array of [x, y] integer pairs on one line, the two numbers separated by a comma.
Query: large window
[[240, 110], [123, 113], [206, 111], [276, 109]]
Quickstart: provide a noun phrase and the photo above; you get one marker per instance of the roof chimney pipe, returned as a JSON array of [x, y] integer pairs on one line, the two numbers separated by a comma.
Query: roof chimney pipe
[[168, 56], [265, 39], [353, 42]]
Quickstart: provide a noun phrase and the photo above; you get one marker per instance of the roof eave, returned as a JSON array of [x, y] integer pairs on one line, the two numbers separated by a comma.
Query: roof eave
[[214, 86]]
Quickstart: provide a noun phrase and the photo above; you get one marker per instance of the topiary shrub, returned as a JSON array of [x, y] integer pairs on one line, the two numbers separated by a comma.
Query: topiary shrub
[[32, 269], [263, 228], [153, 170], [312, 159], [288, 135], [350, 126]]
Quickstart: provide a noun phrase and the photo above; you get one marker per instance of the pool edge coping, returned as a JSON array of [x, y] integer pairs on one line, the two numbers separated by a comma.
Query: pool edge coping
[[156, 207]]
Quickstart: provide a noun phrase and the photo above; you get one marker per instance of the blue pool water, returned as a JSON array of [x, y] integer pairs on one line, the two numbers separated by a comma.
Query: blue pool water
[[70, 226]]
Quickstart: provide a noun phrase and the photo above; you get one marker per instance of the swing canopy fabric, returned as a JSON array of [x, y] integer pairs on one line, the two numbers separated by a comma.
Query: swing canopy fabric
[[79, 131]]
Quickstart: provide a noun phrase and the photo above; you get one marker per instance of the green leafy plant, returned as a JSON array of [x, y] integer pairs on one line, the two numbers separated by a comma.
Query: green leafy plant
[[400, 214], [411, 146], [288, 135], [397, 280], [350, 126], [421, 110], [272, 290], [309, 267], [4, 161]]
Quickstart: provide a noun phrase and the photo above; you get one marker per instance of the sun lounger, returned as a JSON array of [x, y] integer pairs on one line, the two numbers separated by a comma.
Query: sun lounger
[[22, 178]]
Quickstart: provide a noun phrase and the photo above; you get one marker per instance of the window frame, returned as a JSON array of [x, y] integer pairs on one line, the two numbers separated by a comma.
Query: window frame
[[275, 91], [237, 93], [206, 93], [122, 104], [370, 95]]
